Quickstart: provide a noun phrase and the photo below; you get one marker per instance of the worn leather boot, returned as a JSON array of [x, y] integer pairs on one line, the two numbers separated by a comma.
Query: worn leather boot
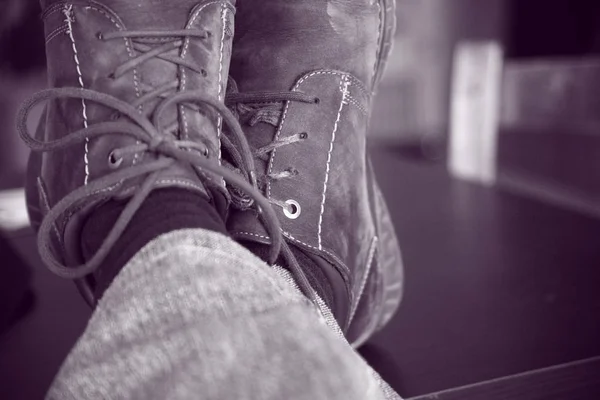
[[135, 103], [303, 77]]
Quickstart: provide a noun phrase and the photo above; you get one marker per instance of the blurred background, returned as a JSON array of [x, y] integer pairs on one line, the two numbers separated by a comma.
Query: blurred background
[[485, 135]]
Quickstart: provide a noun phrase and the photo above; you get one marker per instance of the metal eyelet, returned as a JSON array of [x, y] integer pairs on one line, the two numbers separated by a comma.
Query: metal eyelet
[[114, 162], [293, 210], [303, 135], [317, 100]]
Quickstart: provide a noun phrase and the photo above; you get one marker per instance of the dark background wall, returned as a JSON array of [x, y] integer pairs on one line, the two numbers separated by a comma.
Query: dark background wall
[[543, 28], [534, 28]]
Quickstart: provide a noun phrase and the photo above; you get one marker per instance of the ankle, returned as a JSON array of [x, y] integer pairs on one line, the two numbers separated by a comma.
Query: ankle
[[164, 210]]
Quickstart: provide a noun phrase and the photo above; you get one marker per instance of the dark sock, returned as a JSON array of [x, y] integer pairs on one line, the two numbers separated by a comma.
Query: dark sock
[[316, 277], [164, 210]]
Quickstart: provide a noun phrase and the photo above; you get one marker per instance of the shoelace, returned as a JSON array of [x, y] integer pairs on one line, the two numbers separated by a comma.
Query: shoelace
[[171, 42], [268, 111], [152, 138]]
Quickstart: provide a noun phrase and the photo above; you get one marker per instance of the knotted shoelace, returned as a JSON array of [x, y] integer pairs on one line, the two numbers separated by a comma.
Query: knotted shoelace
[[151, 138]]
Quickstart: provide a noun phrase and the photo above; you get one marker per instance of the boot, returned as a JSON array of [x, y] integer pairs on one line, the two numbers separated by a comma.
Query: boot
[[303, 75], [135, 104]]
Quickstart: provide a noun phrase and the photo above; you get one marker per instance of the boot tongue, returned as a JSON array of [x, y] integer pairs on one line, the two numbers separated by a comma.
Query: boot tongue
[[259, 134], [152, 14]]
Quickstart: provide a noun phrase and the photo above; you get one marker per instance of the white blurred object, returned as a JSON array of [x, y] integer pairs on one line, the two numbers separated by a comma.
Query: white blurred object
[[475, 108], [13, 210]]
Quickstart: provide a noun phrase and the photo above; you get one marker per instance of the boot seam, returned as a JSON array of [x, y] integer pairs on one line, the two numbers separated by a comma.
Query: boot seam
[[68, 12], [370, 259], [184, 55], [379, 41], [120, 27], [220, 118], [344, 83], [52, 9], [334, 258], [235, 233], [356, 103], [358, 84], [56, 32]]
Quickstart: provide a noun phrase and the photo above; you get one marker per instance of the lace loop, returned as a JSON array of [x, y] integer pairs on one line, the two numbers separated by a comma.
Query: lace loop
[[152, 137], [103, 187]]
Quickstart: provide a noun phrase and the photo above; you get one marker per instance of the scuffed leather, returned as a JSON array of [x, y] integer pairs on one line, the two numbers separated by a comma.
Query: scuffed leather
[[303, 36], [327, 49], [330, 185], [85, 60], [370, 286]]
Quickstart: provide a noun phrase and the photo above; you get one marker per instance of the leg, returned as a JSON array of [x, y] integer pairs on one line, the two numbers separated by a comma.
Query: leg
[[195, 314]]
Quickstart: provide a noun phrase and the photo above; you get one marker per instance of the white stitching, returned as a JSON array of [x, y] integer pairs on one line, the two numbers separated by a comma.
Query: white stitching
[[220, 118], [51, 10], [352, 78], [251, 234], [56, 32], [363, 282], [344, 89], [131, 55], [358, 84], [108, 189], [285, 111], [186, 45], [329, 253], [379, 45], [181, 182], [356, 103], [60, 27], [67, 11]]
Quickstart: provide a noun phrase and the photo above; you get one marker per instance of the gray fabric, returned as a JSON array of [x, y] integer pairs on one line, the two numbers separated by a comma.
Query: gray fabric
[[194, 315]]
